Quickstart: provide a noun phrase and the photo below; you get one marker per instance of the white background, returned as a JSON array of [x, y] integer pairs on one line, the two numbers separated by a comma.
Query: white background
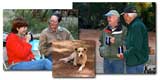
[[63, 4]]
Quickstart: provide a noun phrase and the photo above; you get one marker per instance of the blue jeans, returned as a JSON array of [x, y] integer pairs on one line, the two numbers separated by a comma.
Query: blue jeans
[[42, 64], [113, 66], [49, 57], [135, 69]]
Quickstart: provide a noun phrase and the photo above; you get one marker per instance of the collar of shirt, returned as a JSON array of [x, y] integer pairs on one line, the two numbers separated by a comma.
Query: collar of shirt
[[58, 30]]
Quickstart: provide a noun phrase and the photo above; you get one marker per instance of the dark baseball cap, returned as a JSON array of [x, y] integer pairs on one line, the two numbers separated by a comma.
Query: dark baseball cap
[[129, 9]]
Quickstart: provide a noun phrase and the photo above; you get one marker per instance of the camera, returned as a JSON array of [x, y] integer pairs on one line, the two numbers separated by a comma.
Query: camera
[[120, 49]]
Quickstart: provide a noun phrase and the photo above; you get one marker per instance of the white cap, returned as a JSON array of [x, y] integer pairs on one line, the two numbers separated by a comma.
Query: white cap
[[112, 12]]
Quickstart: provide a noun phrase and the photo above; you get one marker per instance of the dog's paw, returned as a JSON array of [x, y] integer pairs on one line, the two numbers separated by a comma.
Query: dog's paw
[[80, 69], [75, 64]]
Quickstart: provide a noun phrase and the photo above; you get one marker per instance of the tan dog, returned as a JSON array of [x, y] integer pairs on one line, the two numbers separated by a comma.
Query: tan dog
[[79, 56]]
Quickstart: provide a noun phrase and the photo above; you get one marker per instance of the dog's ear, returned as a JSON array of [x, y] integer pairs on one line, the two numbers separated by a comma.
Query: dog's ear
[[76, 49], [85, 49], [49, 44]]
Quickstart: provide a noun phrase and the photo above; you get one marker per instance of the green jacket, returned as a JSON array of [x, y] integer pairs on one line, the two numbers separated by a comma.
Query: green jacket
[[111, 51], [136, 43]]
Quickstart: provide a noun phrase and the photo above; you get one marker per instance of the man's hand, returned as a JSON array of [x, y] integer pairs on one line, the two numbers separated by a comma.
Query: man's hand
[[120, 56]]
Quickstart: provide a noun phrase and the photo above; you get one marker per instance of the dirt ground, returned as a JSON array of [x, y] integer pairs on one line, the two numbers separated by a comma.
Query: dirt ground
[[64, 49], [152, 39]]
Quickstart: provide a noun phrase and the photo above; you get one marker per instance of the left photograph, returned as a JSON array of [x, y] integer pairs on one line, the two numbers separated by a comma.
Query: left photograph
[[28, 34]]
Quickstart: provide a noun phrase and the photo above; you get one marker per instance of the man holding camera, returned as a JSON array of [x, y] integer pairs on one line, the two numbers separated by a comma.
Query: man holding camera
[[112, 40]]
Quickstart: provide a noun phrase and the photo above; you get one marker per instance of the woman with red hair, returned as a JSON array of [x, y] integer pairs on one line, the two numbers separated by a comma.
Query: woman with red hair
[[20, 56]]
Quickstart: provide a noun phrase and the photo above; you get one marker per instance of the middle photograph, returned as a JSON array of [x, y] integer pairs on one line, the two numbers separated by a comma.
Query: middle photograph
[[72, 56]]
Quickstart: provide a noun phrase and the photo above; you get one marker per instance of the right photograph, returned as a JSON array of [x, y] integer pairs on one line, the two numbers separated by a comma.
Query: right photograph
[[125, 35]]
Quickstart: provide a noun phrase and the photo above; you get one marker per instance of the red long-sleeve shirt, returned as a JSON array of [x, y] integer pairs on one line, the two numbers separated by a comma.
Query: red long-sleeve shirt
[[18, 50]]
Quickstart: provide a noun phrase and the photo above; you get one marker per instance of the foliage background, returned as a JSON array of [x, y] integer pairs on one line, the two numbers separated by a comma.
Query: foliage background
[[38, 19], [91, 15]]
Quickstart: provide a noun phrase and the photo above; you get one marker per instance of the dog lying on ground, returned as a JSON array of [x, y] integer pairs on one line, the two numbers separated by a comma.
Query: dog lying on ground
[[79, 56]]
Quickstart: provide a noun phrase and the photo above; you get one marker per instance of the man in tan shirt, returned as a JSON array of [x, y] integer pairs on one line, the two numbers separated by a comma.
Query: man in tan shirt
[[53, 32]]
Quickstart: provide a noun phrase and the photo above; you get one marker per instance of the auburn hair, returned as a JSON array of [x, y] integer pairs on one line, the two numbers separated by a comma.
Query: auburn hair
[[18, 23]]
